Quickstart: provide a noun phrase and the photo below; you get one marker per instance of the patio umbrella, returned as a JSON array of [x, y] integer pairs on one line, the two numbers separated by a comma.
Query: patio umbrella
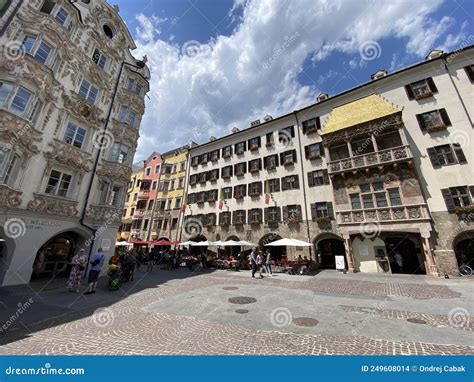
[[218, 243], [231, 243], [163, 242], [187, 243], [289, 243], [200, 243], [246, 243], [117, 244]]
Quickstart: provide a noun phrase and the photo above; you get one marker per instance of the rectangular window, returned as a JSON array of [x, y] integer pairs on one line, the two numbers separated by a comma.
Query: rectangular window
[[99, 58], [255, 216], [227, 152], [368, 200], [290, 183], [269, 139], [42, 53], [239, 217], [311, 125], [313, 151], [61, 16], [20, 101], [154, 184], [254, 143], [227, 192], [224, 218], [381, 199], [322, 210], [272, 214], [240, 168], [120, 153], [394, 196], [285, 135], [157, 169], [58, 183], [5, 90], [74, 135], [181, 182], [255, 189], [255, 165], [421, 89], [470, 72], [177, 203], [270, 162], [433, 120], [8, 165], [355, 202], [240, 148], [274, 185], [445, 155], [318, 178], [88, 92], [115, 195], [288, 157], [240, 191]]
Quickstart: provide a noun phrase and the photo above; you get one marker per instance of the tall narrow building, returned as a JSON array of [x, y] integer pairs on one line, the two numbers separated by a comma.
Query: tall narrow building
[[71, 101]]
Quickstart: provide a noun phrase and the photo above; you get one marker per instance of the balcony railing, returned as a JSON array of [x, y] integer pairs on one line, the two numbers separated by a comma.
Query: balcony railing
[[138, 214], [381, 214], [143, 194], [392, 155]]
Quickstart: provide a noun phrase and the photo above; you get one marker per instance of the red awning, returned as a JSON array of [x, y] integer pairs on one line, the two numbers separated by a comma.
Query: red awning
[[139, 242], [163, 242]]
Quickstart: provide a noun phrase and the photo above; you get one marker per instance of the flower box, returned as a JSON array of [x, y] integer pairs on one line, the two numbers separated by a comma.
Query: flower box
[[323, 220], [240, 173], [288, 163], [269, 144], [432, 129], [254, 194], [253, 147], [254, 170], [255, 222], [315, 156], [464, 210]]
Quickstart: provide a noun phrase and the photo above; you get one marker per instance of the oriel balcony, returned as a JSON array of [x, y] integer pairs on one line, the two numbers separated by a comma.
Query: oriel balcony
[[143, 194], [377, 158], [384, 214]]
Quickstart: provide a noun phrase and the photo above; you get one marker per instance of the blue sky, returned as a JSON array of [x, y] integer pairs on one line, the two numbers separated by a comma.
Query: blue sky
[[223, 63]]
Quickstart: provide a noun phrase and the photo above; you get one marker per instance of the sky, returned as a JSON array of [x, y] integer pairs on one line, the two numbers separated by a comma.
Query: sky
[[217, 64]]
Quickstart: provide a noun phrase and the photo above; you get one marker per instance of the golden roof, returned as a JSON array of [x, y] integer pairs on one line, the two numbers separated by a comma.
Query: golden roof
[[360, 111]]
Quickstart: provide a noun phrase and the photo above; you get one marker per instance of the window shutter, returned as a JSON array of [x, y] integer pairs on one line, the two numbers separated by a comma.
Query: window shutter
[[431, 85], [278, 209], [259, 141], [433, 157], [300, 215], [244, 188], [448, 199], [292, 131], [244, 167], [282, 157], [285, 213], [459, 153], [421, 121], [276, 160], [283, 184], [310, 179], [259, 164], [325, 177], [265, 162], [259, 187], [294, 155], [444, 117], [469, 72], [297, 182], [304, 127], [306, 152], [313, 211], [318, 123], [321, 149], [265, 214], [330, 210], [471, 190], [409, 92]]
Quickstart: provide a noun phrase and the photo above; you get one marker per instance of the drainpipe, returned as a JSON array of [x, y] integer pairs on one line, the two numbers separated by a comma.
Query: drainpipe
[[303, 180], [140, 65]]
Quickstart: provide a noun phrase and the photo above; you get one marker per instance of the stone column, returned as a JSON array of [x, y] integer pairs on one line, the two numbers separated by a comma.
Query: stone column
[[374, 142], [432, 268], [349, 254], [402, 135]]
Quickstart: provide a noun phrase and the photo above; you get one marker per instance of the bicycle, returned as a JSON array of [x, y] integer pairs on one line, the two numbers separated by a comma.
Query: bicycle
[[465, 270]]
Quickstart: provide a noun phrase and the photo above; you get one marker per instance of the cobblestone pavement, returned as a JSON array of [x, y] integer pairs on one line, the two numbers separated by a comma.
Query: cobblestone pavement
[[130, 326]]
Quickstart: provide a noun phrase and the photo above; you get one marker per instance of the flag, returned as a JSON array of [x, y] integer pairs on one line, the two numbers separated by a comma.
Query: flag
[[183, 208], [221, 205], [267, 198], [221, 199]]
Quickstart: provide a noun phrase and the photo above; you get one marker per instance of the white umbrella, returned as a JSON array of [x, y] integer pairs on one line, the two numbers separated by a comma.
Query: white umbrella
[[201, 244], [186, 243], [288, 242], [231, 243], [122, 244], [246, 243], [218, 243]]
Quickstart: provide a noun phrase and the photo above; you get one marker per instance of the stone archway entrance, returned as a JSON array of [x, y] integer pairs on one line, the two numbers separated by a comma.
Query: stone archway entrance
[[197, 250], [234, 250], [54, 257], [277, 253], [409, 249], [463, 247], [7, 248], [328, 246]]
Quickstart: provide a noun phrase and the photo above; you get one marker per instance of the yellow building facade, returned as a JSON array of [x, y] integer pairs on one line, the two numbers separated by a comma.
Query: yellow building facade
[[125, 230]]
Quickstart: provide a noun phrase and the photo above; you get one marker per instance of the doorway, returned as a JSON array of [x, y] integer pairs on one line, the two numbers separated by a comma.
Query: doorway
[[404, 248]]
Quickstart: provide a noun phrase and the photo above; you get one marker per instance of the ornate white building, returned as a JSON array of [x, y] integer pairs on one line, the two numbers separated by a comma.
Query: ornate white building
[[71, 102]]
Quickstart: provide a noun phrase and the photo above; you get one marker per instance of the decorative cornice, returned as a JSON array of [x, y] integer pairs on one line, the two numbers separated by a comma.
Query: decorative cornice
[[53, 205], [19, 133], [82, 110], [69, 156], [116, 171], [9, 198], [105, 214], [124, 132]]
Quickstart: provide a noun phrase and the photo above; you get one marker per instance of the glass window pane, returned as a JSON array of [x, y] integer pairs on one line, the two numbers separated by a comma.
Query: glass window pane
[[70, 131], [381, 199], [355, 202], [377, 186], [368, 201], [394, 196], [21, 100], [61, 16], [5, 90], [42, 53], [92, 94], [53, 182], [28, 43], [84, 90]]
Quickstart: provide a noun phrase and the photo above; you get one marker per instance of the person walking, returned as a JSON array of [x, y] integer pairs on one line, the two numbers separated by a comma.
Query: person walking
[[79, 262], [268, 263], [399, 261], [96, 262], [253, 261], [260, 262]]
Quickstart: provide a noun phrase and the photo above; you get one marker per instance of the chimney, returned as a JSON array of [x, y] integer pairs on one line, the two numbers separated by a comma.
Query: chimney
[[379, 74], [212, 138], [235, 129]]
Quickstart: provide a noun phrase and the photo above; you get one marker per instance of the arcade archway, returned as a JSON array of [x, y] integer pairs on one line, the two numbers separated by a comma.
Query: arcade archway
[[463, 247], [327, 247], [277, 253]]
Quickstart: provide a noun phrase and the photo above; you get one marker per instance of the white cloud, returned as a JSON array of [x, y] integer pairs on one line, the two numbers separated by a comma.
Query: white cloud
[[253, 72]]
